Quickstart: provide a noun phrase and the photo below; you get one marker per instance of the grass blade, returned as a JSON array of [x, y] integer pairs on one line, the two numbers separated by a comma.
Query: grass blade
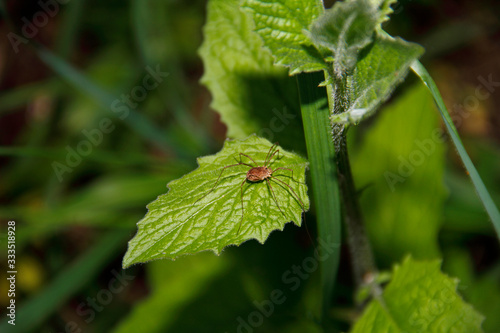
[[481, 190], [321, 155], [135, 120]]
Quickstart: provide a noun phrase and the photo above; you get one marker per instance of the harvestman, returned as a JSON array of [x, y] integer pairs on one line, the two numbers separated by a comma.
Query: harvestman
[[258, 174]]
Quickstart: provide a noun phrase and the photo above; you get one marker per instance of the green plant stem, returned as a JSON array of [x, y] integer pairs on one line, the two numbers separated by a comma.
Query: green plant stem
[[363, 263], [361, 253], [321, 154]]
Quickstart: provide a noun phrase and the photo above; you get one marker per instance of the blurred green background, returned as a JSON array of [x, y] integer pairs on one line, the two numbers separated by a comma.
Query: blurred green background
[[74, 217]]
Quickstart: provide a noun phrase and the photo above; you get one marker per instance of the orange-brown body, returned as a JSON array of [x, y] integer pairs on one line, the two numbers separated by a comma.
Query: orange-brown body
[[259, 173]]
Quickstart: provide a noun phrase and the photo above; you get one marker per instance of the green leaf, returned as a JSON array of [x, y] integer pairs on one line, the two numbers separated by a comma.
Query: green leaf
[[344, 30], [203, 212], [249, 92], [282, 25], [419, 299], [404, 194], [384, 10], [375, 76]]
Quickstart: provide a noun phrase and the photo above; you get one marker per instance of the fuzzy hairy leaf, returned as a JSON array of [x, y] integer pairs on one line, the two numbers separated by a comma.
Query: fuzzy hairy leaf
[[375, 76], [419, 299], [198, 213], [344, 40], [282, 25], [344, 30]]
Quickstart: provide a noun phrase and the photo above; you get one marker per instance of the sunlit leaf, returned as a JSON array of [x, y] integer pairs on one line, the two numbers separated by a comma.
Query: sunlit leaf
[[282, 26], [344, 30], [204, 212], [419, 299], [376, 75]]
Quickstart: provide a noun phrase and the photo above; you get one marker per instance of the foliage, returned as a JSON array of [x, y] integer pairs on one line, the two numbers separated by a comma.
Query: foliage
[[71, 229], [211, 208], [345, 41], [419, 298]]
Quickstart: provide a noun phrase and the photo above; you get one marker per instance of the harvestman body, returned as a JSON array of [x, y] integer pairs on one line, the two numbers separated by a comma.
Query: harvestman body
[[258, 174]]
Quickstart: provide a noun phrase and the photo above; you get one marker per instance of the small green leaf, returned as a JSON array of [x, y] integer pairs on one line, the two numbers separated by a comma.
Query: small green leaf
[[348, 27], [376, 75], [419, 299], [203, 212], [344, 30], [282, 25]]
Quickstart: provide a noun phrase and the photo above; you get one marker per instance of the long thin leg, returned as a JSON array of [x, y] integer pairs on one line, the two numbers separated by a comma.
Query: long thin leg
[[241, 186], [277, 151], [301, 203], [286, 175], [269, 152], [291, 189], [251, 159], [274, 196], [220, 175]]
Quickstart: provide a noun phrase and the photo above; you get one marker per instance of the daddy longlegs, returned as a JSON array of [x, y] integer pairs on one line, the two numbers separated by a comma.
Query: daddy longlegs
[[257, 174]]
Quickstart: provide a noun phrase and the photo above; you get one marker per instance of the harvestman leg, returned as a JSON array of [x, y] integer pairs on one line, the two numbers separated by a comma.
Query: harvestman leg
[[224, 168], [269, 152], [241, 220], [220, 175], [285, 175], [291, 189], [268, 162], [268, 158], [298, 198], [251, 159], [274, 196]]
